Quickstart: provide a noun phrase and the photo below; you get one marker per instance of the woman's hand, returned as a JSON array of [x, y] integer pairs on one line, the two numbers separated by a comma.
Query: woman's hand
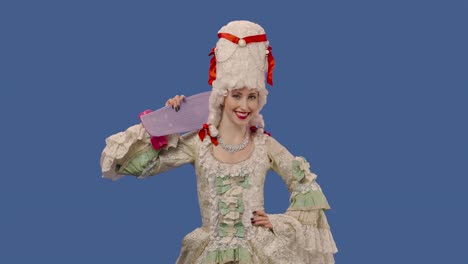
[[175, 102], [260, 218]]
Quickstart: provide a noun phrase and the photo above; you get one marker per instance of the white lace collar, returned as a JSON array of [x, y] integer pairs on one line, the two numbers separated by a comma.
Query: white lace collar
[[213, 166]]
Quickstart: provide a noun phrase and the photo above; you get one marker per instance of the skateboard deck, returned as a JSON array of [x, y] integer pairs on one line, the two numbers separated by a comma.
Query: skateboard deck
[[192, 115]]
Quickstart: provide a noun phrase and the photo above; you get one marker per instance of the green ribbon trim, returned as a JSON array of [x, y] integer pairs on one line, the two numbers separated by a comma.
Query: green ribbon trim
[[221, 185], [223, 208], [240, 229], [297, 172], [137, 164], [238, 255], [244, 183], [309, 200], [222, 229]]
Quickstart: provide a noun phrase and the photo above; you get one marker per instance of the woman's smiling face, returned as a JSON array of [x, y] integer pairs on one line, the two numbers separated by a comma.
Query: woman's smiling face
[[240, 105]]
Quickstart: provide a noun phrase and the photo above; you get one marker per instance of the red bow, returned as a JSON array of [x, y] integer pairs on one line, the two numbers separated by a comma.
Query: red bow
[[206, 131], [271, 66], [212, 71], [158, 142], [254, 129]]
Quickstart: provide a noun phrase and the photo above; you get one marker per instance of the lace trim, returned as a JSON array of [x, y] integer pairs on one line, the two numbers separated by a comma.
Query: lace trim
[[213, 166], [318, 240], [121, 146], [306, 187], [297, 243], [319, 258], [118, 146]]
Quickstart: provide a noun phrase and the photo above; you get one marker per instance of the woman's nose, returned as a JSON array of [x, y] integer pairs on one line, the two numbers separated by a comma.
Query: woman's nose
[[244, 104]]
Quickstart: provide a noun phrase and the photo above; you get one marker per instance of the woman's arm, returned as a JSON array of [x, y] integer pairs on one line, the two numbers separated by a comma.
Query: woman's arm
[[307, 202], [135, 152], [132, 153], [306, 194]]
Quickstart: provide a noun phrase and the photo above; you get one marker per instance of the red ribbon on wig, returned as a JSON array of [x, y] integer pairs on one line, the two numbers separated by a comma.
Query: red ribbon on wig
[[241, 42], [249, 39], [271, 66], [206, 131], [212, 71]]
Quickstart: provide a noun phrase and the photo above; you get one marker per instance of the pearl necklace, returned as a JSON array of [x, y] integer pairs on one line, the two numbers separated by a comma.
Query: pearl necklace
[[235, 147]]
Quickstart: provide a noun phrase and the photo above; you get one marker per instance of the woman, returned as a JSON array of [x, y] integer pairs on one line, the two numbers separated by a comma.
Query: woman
[[232, 154]]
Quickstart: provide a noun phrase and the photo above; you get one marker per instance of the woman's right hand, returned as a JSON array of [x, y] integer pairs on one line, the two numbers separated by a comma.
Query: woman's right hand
[[175, 102]]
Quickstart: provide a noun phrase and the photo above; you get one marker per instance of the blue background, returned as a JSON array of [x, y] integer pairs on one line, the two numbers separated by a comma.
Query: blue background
[[373, 93]]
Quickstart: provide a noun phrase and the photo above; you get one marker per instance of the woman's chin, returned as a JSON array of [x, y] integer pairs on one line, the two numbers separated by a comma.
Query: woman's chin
[[240, 122]]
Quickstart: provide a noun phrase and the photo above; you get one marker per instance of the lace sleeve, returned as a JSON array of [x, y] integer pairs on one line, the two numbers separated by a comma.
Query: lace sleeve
[[305, 192], [131, 153], [307, 202]]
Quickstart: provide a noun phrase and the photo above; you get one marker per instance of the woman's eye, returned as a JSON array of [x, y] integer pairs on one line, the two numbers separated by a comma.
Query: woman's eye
[[237, 96], [252, 97]]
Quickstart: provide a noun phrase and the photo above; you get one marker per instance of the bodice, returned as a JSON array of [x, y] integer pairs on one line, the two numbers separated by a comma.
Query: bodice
[[228, 193]]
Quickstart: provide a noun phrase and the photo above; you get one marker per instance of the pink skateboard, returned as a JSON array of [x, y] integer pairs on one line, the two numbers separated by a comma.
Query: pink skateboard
[[192, 115]]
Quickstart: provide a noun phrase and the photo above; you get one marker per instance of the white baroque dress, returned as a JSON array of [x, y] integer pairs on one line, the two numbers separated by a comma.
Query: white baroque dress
[[229, 193]]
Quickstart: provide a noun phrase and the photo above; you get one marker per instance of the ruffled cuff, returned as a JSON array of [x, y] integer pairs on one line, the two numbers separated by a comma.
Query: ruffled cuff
[[306, 194], [300, 242], [318, 239], [308, 197], [126, 152]]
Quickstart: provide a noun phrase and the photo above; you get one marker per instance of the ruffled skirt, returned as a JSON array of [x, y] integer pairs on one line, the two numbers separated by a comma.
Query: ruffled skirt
[[290, 243]]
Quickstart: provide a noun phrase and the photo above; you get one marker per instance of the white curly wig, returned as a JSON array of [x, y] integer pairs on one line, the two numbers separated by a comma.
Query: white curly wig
[[238, 65]]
